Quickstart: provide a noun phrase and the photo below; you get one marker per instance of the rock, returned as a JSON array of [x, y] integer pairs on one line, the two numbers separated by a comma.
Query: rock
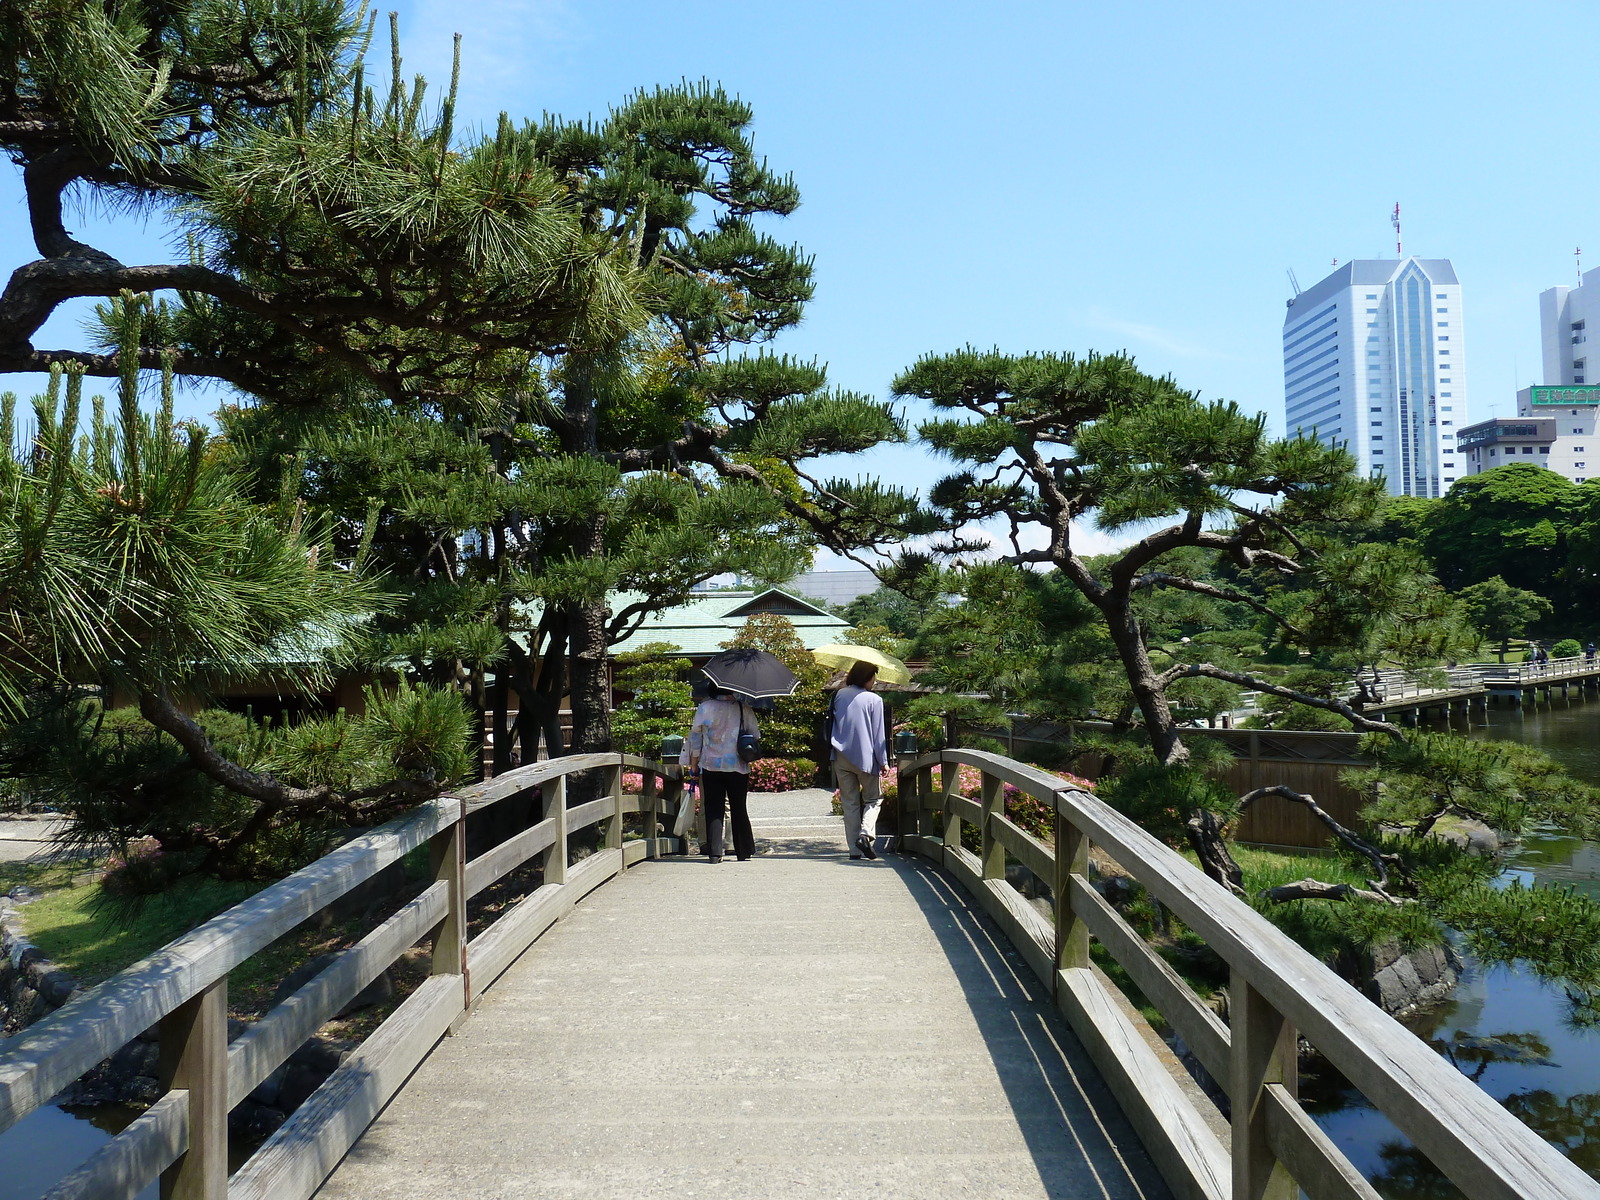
[[136, 1058], [57, 987], [22, 893], [141, 1089], [322, 1054], [302, 975], [1399, 982], [254, 1122], [267, 1090], [376, 992], [299, 1081]]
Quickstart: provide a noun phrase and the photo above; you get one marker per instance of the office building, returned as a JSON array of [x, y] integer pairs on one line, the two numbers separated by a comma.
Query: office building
[[1554, 427], [1565, 318], [1373, 360]]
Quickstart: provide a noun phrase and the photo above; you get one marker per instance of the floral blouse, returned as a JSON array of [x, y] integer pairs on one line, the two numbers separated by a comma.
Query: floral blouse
[[714, 736]]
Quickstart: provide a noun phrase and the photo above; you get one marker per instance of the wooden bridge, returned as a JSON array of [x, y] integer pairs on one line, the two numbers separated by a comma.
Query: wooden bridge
[[799, 1024]]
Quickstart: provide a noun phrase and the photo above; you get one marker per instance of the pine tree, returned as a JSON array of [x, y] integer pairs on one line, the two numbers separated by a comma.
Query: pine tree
[[1275, 528], [343, 239], [133, 561]]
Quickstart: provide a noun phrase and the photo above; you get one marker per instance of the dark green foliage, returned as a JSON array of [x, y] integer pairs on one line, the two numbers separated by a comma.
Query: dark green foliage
[[1501, 612], [125, 786], [661, 702], [1416, 782], [135, 562], [1566, 648], [895, 611], [1508, 522]]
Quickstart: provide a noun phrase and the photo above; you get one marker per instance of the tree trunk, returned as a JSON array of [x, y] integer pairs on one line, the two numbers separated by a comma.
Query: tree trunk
[[1204, 830], [500, 704], [591, 680], [1147, 691], [1206, 840]]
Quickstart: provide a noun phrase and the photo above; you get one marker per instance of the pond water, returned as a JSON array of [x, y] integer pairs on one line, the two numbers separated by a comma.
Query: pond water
[[1502, 1027], [49, 1141]]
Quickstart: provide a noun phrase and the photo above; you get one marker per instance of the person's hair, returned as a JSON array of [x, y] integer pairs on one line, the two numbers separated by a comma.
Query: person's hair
[[861, 674], [713, 692]]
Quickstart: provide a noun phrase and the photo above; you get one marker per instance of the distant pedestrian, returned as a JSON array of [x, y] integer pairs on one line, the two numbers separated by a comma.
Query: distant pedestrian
[[1588, 652], [860, 753], [712, 748]]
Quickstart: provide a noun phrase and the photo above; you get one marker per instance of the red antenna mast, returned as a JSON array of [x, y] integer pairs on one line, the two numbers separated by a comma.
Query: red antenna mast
[[1394, 219]]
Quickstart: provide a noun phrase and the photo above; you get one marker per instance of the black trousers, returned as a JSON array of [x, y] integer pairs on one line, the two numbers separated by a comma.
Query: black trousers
[[724, 790]]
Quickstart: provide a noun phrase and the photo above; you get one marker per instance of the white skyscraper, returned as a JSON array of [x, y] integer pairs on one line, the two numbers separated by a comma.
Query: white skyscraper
[[1565, 315], [1373, 359]]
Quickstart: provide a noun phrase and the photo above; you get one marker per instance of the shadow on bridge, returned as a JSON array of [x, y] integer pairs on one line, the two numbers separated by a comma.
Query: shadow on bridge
[[1076, 1135]]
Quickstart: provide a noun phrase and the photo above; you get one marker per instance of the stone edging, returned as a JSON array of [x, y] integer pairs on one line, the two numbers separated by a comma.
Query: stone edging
[[30, 984]]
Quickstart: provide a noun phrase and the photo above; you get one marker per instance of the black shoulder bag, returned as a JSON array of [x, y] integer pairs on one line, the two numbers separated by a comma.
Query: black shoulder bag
[[749, 743]]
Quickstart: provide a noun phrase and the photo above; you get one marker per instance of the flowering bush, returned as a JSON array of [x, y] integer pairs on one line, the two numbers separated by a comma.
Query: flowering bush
[[781, 774], [143, 870], [1034, 815]]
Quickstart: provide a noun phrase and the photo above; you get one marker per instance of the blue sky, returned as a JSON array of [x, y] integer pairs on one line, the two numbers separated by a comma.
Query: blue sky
[[1090, 176]]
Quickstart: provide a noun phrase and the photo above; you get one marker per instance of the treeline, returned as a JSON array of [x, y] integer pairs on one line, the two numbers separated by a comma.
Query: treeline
[[1530, 526]]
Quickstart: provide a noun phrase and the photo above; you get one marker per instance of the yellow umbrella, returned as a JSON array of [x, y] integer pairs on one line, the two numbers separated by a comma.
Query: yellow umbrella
[[890, 670]]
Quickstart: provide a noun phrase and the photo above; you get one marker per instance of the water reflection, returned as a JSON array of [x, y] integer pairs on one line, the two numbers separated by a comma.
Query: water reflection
[[1503, 1028], [42, 1147]]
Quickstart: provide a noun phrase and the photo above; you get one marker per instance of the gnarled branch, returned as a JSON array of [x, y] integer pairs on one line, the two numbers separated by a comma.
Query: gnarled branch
[[1330, 704]]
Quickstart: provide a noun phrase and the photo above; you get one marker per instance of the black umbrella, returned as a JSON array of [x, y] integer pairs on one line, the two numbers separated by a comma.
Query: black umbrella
[[753, 674]]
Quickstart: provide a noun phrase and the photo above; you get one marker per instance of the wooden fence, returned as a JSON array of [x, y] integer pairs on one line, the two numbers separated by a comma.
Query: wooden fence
[[183, 989], [1277, 992], [1307, 761]]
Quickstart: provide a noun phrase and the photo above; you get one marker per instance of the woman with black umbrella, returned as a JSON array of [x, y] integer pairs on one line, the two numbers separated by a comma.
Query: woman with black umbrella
[[712, 749]]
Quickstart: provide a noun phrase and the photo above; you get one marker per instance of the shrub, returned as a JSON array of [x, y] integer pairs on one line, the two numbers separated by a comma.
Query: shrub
[[1566, 648], [661, 704], [782, 774]]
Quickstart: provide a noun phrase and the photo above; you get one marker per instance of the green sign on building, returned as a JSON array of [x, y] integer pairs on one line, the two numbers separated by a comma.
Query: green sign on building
[[1571, 393]]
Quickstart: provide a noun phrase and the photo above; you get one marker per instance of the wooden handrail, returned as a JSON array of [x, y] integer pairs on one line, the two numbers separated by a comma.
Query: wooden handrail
[[182, 988], [1278, 990]]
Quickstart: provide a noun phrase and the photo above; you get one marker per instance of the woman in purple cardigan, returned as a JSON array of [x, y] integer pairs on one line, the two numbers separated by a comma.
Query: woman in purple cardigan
[[860, 753]]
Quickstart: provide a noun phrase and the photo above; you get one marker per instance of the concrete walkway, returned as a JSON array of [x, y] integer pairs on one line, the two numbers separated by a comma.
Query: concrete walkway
[[799, 1025], [28, 839]]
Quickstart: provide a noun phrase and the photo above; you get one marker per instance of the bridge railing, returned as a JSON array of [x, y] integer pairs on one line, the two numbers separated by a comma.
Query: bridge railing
[[1277, 992], [183, 988], [1533, 674]]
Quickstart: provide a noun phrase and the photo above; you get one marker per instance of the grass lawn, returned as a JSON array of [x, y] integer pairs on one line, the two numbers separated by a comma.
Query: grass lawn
[[91, 939]]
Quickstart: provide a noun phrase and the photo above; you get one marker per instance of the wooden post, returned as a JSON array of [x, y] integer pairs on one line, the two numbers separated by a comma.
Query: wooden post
[[614, 821], [648, 814], [910, 803], [447, 854], [992, 850], [194, 1058], [1263, 1052], [555, 805], [949, 773], [1072, 858], [925, 822]]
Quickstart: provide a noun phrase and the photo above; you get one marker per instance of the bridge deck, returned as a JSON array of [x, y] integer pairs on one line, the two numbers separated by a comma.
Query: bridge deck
[[797, 1025]]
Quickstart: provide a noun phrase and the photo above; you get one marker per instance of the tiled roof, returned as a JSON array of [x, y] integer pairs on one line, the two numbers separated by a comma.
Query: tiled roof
[[699, 627]]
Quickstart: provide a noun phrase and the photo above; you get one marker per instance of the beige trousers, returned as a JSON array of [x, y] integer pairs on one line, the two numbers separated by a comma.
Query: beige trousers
[[860, 797]]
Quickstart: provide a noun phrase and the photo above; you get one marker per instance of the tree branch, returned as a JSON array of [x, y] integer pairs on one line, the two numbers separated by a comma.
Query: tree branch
[[1381, 863], [1329, 704], [160, 711], [1316, 889], [1182, 583]]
